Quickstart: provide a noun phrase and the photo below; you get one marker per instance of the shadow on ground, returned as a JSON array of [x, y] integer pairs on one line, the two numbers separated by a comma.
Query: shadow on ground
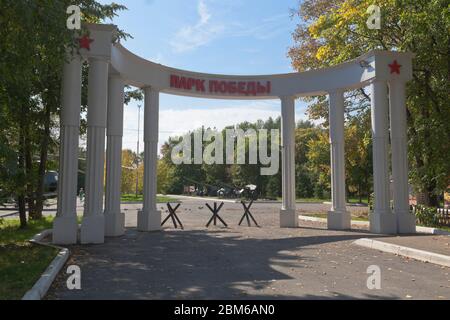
[[199, 264]]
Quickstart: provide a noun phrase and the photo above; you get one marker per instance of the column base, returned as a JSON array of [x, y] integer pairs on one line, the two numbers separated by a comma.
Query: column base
[[65, 230], [406, 222], [149, 221], [93, 229], [288, 218], [339, 220], [383, 222], [114, 224]]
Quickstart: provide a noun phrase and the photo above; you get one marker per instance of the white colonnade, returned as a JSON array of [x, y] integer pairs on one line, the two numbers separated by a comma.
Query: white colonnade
[[114, 218], [149, 219], [288, 215], [112, 67], [338, 218]]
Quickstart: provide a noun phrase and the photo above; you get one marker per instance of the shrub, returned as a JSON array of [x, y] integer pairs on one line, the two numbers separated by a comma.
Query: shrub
[[427, 216]]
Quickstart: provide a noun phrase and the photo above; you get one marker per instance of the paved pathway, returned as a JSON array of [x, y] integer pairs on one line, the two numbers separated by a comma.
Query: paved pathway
[[244, 263]]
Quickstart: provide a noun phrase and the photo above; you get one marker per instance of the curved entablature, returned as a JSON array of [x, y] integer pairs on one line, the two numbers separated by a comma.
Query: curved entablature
[[136, 71], [353, 74], [112, 66]]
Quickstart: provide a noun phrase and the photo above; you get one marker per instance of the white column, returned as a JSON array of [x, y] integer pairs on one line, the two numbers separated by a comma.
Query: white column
[[288, 215], [338, 217], [149, 219], [114, 218], [93, 226], [406, 221], [381, 220], [65, 226]]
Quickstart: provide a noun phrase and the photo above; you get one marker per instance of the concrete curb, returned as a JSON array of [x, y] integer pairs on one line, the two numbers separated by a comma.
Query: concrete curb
[[40, 288], [424, 256], [419, 229], [315, 219], [434, 231]]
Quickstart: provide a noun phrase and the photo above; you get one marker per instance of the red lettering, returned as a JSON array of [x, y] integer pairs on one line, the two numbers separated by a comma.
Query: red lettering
[[224, 87], [190, 83], [200, 85], [260, 88], [232, 87], [213, 86], [241, 88], [174, 81], [251, 88], [182, 83]]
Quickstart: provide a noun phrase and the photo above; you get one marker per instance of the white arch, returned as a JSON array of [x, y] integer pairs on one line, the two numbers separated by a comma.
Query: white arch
[[353, 74], [375, 68]]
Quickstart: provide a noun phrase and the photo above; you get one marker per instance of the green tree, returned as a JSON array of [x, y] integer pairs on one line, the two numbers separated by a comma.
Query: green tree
[[34, 38], [332, 32]]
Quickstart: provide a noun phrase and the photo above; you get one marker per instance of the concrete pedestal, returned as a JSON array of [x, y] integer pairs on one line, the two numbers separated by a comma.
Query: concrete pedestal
[[114, 224], [93, 229], [149, 221], [383, 223], [288, 218], [65, 230], [339, 220], [406, 222]]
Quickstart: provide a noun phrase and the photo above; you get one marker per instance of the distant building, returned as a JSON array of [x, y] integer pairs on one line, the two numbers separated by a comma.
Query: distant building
[[447, 198]]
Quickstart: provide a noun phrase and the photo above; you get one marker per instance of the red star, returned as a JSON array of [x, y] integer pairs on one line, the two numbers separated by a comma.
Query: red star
[[85, 42], [395, 67]]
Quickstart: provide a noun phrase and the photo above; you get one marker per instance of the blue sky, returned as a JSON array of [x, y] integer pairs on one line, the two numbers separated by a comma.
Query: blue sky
[[211, 36]]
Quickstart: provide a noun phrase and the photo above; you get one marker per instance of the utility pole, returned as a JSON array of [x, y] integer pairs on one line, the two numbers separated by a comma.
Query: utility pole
[[137, 152]]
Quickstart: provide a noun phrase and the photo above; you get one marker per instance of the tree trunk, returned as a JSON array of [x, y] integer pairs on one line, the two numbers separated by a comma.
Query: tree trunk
[[21, 201], [29, 172], [22, 211], [360, 193], [43, 164]]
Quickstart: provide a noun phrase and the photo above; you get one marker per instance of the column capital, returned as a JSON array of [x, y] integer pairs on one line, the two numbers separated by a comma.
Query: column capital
[[338, 91], [288, 98], [378, 81], [397, 84], [117, 76], [98, 58], [150, 89]]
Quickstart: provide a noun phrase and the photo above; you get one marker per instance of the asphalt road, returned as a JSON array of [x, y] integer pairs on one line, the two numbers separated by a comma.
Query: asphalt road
[[309, 262]]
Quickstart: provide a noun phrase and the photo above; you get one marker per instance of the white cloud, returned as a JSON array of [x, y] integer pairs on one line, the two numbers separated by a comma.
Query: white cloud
[[176, 122], [204, 31], [203, 13], [267, 28]]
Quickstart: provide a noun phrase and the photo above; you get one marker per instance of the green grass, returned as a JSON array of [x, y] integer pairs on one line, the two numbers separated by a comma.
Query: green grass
[[356, 201], [445, 228], [140, 198], [21, 263]]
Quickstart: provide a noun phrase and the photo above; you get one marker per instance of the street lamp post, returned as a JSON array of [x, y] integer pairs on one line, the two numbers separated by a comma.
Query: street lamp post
[[137, 152]]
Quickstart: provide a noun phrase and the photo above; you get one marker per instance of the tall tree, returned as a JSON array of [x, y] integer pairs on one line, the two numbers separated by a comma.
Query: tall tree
[[34, 38], [335, 31]]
